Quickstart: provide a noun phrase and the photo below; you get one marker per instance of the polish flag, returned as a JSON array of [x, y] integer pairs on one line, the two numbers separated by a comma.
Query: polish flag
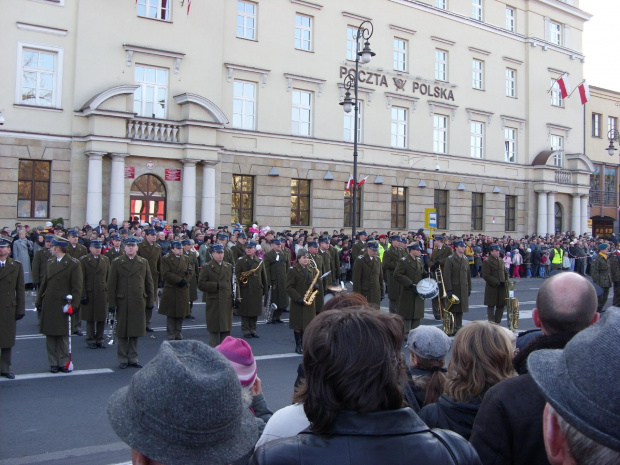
[[361, 183], [189, 3], [584, 92], [349, 183], [564, 85]]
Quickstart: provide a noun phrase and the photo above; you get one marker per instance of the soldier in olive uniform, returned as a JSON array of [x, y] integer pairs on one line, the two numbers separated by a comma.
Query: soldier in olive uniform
[[176, 271], [39, 261], [77, 251], [496, 277], [438, 259], [335, 275], [13, 306], [222, 239], [190, 252], [601, 274], [130, 292], [368, 275], [457, 279], [151, 251], [277, 264], [359, 247], [238, 250], [253, 291], [63, 277], [116, 250], [391, 258], [94, 296], [327, 260], [614, 268], [215, 282], [313, 254], [298, 282], [410, 271]]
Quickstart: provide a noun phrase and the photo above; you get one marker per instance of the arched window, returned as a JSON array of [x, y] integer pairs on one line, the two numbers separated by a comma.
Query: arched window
[[558, 217], [148, 198]]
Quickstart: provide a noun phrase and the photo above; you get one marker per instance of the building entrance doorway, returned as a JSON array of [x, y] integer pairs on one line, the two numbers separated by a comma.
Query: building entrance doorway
[[147, 198]]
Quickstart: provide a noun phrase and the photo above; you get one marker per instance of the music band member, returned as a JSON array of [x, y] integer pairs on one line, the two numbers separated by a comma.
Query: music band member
[[190, 252], [151, 251], [438, 259], [457, 281], [298, 281], [177, 271], [496, 277], [410, 271], [252, 291], [391, 258], [368, 275], [94, 296], [277, 264]]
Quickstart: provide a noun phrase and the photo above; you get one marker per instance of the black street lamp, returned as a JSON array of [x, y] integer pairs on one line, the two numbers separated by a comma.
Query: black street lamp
[[364, 32], [612, 135]]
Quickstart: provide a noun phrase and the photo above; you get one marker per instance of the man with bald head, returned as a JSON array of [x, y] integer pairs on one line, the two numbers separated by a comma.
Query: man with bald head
[[508, 426]]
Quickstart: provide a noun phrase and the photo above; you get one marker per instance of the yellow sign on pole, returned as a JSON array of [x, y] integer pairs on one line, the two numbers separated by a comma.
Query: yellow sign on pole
[[430, 218]]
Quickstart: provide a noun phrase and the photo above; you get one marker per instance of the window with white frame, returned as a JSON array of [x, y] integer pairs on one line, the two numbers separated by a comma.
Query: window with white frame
[[555, 33], [246, 20], [400, 54], [441, 65], [477, 139], [440, 134], [511, 82], [154, 9], [476, 10], [303, 32], [39, 79], [511, 18], [557, 145], [596, 125], [150, 100], [612, 123], [244, 105], [351, 42], [443, 4], [510, 145], [349, 120], [556, 94], [399, 127], [477, 81], [301, 117]]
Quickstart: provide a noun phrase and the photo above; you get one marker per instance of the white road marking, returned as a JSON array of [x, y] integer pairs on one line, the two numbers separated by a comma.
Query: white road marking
[[275, 356], [98, 371]]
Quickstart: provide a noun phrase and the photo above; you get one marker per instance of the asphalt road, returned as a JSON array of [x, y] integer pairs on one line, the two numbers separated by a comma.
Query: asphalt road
[[60, 418]]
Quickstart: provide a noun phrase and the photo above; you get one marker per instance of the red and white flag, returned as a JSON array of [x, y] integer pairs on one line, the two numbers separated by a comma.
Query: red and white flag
[[349, 184], [584, 92], [361, 183], [564, 85], [189, 3]]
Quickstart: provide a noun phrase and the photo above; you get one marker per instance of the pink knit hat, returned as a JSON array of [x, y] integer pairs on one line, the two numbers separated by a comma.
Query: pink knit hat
[[239, 354]]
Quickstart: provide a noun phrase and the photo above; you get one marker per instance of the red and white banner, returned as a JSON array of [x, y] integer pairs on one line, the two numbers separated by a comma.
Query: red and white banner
[[564, 85], [349, 184], [361, 183], [584, 92]]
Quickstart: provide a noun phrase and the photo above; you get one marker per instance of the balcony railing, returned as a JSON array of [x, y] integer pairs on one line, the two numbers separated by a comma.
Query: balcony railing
[[563, 177], [152, 130], [603, 198]]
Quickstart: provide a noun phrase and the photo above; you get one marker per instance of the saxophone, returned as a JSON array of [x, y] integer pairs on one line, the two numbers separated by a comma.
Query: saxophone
[[311, 293], [512, 305], [245, 275], [447, 317]]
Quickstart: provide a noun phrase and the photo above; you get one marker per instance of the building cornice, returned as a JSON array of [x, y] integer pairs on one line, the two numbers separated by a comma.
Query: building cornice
[[565, 8], [316, 6], [44, 29]]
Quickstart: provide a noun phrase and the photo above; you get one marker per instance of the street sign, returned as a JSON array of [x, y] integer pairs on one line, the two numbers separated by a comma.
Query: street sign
[[430, 218]]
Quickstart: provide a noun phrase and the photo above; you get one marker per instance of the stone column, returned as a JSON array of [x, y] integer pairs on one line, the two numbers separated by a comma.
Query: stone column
[[188, 203], [541, 225], [117, 188], [207, 211], [584, 214], [551, 212], [576, 214], [94, 189]]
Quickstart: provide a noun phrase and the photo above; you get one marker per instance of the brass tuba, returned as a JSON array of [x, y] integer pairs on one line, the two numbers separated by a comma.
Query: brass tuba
[[447, 317], [512, 306], [311, 293], [245, 275]]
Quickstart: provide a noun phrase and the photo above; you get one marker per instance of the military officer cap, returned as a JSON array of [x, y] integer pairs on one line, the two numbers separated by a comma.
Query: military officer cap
[[373, 246], [250, 244], [241, 235], [72, 232], [440, 238], [5, 241], [396, 238], [115, 237], [222, 235], [363, 233], [494, 247], [131, 241], [459, 244], [414, 246], [96, 244], [276, 241], [49, 237], [150, 231], [603, 246], [186, 242], [60, 241], [217, 248], [177, 245], [313, 244], [324, 239], [302, 253]]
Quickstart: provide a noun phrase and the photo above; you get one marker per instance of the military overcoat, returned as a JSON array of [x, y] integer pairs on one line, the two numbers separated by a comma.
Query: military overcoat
[[39, 264], [130, 290], [237, 250], [494, 271], [298, 281], [440, 255], [193, 283], [600, 271], [12, 300], [77, 252], [457, 278], [153, 255], [253, 292], [95, 272], [215, 282], [61, 279], [409, 271], [335, 276], [112, 253], [320, 297], [391, 258], [174, 299], [368, 278], [277, 265]]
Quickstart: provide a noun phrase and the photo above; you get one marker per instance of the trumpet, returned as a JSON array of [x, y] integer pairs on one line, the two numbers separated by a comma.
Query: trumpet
[[447, 317], [245, 275], [512, 306]]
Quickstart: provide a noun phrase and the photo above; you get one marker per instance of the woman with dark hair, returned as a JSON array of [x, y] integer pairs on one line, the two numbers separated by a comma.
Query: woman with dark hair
[[354, 401]]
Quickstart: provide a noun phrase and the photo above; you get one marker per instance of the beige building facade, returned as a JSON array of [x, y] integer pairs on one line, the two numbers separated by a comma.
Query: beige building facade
[[230, 112]]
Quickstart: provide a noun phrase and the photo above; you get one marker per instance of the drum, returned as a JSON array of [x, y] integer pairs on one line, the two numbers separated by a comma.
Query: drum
[[427, 288]]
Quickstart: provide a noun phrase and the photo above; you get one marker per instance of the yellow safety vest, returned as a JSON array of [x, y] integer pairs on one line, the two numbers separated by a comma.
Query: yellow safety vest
[[557, 257]]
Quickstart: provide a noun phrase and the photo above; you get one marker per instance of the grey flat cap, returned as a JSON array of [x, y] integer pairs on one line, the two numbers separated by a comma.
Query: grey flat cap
[[429, 342]]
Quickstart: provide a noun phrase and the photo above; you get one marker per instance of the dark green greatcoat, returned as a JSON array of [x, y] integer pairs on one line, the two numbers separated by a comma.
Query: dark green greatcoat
[[237, 250], [152, 254], [111, 253], [440, 256], [409, 271], [457, 278], [391, 258], [335, 276], [95, 272], [62, 278], [39, 264], [600, 271], [253, 292], [174, 299], [276, 276], [215, 282], [77, 252], [494, 271], [193, 283], [298, 281], [368, 278], [12, 300], [130, 290], [319, 301]]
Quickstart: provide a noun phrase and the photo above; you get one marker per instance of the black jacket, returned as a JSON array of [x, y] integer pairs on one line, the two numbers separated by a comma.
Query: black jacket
[[447, 413], [386, 437]]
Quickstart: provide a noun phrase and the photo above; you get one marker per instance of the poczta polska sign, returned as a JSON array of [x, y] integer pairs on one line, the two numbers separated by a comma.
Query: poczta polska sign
[[381, 80]]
